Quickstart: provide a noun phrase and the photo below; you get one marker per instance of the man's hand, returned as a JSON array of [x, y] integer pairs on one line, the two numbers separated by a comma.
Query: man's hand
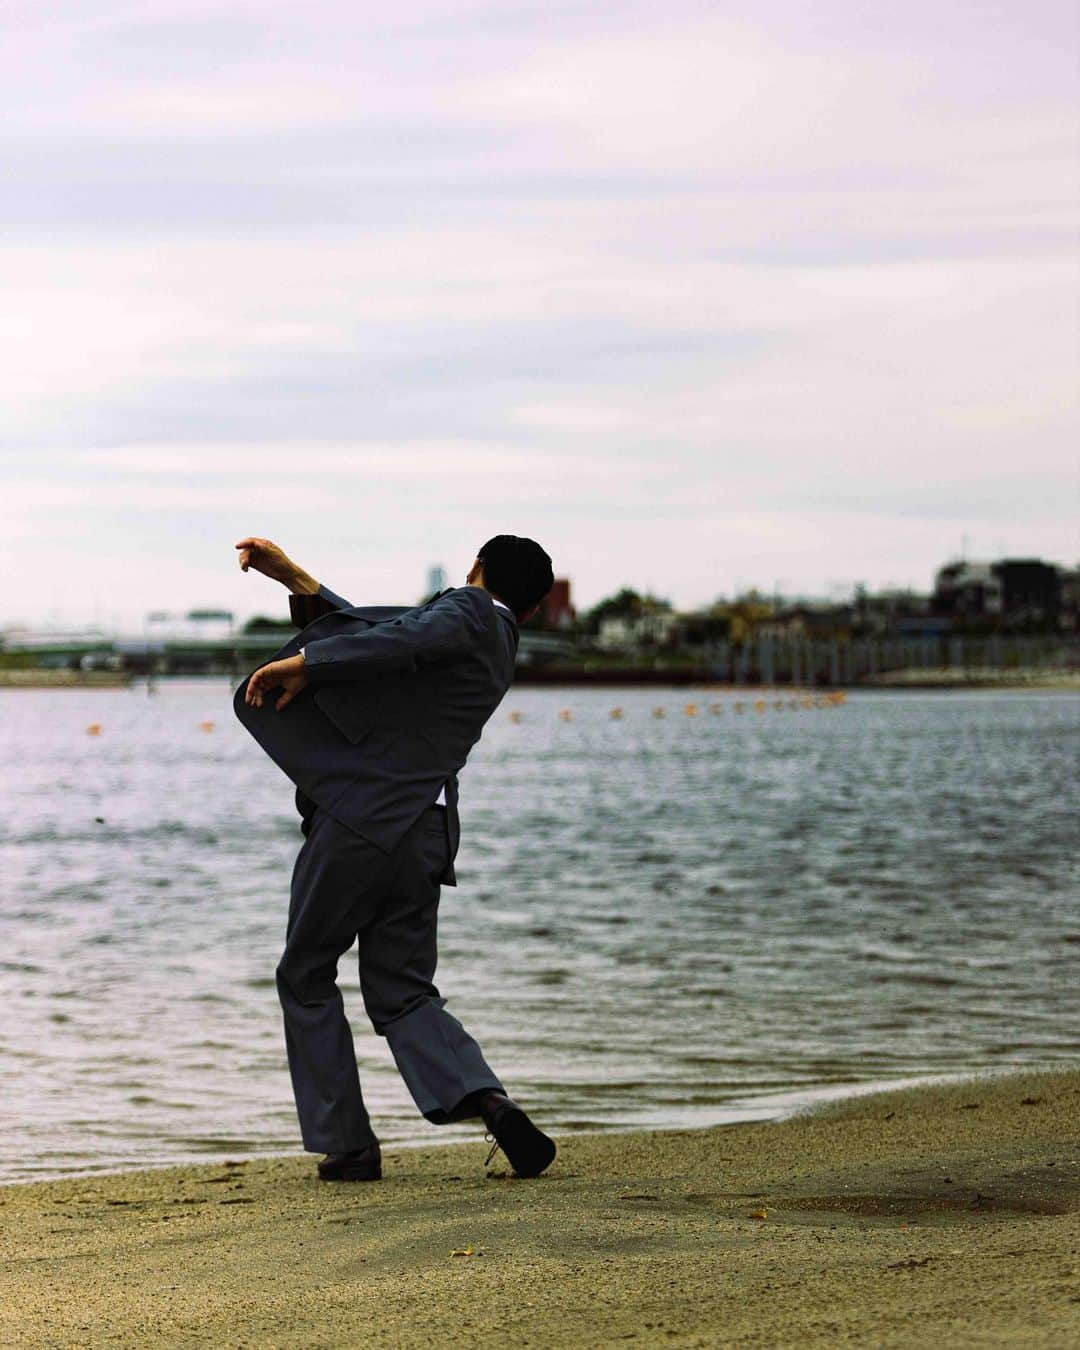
[[273, 562], [288, 675]]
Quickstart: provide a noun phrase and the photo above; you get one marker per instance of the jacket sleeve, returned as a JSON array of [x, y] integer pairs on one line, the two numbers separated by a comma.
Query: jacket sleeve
[[335, 601], [305, 609], [444, 631]]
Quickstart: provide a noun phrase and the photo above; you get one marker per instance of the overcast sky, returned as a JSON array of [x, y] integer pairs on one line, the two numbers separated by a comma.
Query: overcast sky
[[698, 295]]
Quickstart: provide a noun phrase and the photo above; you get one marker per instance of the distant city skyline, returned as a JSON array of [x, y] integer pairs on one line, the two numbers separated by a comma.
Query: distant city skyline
[[701, 299], [164, 619]]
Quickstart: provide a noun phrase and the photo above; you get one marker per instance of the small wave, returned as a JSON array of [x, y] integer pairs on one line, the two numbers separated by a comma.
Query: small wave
[[914, 977]]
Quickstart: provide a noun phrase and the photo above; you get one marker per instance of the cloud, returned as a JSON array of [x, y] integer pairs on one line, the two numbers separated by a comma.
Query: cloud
[[693, 294]]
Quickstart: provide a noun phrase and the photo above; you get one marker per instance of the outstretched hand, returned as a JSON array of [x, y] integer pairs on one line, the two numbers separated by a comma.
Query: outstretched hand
[[288, 675], [268, 558]]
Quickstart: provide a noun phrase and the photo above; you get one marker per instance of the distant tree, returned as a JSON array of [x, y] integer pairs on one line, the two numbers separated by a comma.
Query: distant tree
[[261, 624], [624, 604], [710, 625], [745, 613]]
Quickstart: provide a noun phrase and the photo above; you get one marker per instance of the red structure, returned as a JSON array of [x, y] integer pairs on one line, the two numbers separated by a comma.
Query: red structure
[[556, 610]]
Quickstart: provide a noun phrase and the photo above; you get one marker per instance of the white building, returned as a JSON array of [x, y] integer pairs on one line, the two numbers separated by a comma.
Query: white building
[[652, 629], [969, 588]]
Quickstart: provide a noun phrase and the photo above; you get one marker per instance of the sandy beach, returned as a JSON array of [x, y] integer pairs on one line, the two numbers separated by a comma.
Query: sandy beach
[[943, 1215]]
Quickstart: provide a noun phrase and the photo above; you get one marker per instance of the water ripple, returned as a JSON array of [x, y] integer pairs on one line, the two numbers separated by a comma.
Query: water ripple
[[658, 922]]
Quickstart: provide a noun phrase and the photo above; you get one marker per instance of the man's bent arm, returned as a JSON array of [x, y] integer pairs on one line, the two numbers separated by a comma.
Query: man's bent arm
[[440, 632]]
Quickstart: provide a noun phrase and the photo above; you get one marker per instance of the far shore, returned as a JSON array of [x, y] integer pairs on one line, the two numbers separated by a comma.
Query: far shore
[[31, 678], [944, 1215], [614, 678]]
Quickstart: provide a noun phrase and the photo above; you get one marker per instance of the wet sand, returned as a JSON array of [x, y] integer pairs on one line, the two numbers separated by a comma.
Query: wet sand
[[942, 1216]]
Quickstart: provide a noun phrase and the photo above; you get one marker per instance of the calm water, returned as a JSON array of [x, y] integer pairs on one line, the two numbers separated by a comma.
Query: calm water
[[659, 922]]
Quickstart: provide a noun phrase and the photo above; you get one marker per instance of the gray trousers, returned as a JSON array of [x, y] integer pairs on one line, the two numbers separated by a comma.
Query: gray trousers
[[344, 889]]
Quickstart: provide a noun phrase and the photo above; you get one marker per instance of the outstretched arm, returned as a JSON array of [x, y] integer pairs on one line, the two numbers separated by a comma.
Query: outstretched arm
[[266, 557]]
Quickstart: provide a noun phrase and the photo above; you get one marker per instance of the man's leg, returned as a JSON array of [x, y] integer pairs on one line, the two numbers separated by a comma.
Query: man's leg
[[442, 1065], [335, 888]]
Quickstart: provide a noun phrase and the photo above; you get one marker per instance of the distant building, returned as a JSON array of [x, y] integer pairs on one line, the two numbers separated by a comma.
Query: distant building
[[699, 628], [807, 621], [923, 625], [54, 648], [1070, 599], [557, 611], [891, 610], [196, 625], [1013, 591], [1031, 590], [436, 579], [967, 590], [653, 629]]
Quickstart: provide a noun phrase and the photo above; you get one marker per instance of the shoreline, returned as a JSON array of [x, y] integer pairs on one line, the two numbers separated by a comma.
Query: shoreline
[[616, 678], [37, 678], [948, 1211], [767, 1108]]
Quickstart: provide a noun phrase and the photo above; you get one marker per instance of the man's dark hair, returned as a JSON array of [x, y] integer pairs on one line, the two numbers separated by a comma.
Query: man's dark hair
[[516, 570]]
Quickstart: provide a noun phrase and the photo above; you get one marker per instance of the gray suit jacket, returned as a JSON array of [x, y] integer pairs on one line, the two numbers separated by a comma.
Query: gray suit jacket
[[396, 699]]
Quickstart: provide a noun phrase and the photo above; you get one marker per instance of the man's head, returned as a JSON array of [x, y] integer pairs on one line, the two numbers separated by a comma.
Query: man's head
[[516, 571]]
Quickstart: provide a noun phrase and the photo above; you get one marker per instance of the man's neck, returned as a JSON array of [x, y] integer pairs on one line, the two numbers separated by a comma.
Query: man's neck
[[501, 603]]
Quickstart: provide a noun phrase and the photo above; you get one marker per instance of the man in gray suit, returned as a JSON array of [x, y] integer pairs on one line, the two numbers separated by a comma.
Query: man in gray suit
[[372, 712]]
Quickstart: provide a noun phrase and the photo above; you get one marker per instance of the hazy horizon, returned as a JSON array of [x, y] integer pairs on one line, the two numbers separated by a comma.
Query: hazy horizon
[[700, 300], [276, 605]]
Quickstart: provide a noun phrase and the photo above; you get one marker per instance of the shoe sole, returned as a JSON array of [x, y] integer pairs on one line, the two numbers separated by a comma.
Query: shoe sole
[[351, 1174], [527, 1148]]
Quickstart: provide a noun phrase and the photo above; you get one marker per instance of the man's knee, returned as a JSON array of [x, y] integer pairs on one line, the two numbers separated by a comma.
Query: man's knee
[[384, 1013], [284, 978], [300, 981]]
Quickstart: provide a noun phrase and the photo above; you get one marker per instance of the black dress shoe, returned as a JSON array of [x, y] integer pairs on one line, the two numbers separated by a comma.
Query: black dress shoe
[[362, 1164], [528, 1149]]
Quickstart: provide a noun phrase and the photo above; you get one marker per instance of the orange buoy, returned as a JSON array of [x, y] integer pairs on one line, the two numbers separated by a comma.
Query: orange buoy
[[206, 726], [94, 729], [690, 710], [616, 714], [515, 717], [565, 715], [760, 705]]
